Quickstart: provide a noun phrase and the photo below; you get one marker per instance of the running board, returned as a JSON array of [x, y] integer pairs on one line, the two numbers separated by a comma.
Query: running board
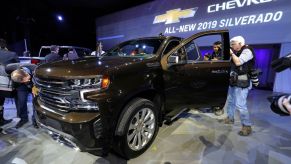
[[170, 117]]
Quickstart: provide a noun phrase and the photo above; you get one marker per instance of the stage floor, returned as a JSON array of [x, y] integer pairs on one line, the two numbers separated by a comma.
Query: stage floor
[[194, 138]]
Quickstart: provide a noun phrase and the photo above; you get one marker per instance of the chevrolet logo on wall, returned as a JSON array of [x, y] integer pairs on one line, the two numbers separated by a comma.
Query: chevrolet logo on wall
[[173, 16]]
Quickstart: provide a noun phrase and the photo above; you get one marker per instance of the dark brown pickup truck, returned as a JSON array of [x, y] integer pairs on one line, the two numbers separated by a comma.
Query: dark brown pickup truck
[[118, 101]]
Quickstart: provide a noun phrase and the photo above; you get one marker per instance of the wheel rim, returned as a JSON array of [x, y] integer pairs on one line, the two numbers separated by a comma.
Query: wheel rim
[[141, 129]]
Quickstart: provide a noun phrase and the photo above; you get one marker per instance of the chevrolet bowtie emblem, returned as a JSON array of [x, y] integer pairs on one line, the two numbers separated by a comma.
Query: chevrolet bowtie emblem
[[173, 16]]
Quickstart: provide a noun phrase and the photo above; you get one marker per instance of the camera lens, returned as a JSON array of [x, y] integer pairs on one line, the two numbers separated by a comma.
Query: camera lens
[[277, 105]]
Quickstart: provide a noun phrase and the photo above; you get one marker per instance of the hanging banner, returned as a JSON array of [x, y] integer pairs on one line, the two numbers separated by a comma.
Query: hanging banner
[[259, 21]]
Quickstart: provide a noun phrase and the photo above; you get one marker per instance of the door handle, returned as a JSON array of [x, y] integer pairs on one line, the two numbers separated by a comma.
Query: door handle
[[219, 71]]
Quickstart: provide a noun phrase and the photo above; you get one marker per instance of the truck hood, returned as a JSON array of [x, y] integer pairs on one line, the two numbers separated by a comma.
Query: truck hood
[[83, 67]]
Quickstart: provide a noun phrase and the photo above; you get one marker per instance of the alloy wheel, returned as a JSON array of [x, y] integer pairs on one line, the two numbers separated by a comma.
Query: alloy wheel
[[141, 129]]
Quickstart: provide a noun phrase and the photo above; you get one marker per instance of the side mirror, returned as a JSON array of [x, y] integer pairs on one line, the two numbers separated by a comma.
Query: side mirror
[[173, 59]]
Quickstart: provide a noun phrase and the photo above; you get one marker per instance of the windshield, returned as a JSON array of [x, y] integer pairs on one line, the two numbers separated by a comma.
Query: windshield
[[146, 48]]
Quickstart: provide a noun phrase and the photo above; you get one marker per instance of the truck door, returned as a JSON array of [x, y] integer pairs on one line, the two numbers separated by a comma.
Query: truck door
[[192, 80]]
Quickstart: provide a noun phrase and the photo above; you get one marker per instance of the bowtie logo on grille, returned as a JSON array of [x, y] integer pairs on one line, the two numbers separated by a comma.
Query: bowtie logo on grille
[[174, 16]]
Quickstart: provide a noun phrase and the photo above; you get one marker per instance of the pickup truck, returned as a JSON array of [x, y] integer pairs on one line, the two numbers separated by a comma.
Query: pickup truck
[[119, 101], [44, 50]]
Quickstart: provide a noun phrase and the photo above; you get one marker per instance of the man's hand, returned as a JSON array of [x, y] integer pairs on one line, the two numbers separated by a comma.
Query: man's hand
[[207, 56], [234, 58], [230, 52], [34, 91]]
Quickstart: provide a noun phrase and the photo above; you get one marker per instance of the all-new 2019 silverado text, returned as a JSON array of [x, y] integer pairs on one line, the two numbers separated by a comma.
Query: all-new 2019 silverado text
[[118, 101]]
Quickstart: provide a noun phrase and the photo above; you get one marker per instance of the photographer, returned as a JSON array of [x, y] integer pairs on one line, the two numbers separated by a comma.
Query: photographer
[[242, 62]]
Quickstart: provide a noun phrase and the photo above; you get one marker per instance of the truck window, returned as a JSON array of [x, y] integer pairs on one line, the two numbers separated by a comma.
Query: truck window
[[210, 47], [192, 51], [81, 53], [63, 51], [44, 51], [172, 44], [181, 54], [136, 48]]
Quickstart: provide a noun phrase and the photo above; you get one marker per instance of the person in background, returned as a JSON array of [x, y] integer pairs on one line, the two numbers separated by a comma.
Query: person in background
[[216, 54], [99, 50], [242, 61], [6, 57], [71, 55], [54, 55]]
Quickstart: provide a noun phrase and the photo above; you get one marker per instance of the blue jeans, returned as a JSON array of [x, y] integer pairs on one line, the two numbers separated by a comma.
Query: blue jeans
[[237, 99], [21, 101]]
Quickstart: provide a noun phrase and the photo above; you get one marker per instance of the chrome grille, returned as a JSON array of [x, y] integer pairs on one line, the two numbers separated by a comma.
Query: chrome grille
[[58, 96], [54, 103], [51, 84], [53, 94]]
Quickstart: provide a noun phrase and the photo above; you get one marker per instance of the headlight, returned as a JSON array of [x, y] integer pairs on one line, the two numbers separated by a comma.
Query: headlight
[[86, 83], [97, 83]]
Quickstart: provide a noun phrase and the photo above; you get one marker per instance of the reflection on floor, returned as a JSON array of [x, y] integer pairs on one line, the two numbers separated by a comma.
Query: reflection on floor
[[194, 138]]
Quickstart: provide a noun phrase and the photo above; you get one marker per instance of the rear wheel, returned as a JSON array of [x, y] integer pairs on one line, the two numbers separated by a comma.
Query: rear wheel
[[139, 127]]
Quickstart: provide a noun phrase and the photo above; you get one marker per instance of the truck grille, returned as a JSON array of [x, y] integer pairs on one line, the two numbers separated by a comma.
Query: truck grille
[[58, 96]]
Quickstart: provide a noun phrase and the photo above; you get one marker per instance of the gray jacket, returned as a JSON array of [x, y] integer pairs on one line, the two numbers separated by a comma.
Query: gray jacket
[[7, 57]]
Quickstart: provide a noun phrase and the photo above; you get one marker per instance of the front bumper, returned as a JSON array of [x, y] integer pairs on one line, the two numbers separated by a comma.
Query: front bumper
[[79, 130]]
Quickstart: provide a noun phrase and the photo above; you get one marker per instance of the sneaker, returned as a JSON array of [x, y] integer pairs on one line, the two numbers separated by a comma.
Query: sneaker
[[245, 131], [228, 121], [4, 122], [21, 123]]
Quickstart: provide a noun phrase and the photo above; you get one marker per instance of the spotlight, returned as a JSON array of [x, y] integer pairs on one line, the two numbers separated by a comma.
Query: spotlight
[[60, 18]]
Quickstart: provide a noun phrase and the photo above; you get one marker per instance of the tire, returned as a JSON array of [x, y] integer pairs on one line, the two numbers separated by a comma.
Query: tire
[[139, 127]]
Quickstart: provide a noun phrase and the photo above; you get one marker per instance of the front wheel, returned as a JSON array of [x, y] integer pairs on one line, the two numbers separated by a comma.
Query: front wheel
[[139, 126]]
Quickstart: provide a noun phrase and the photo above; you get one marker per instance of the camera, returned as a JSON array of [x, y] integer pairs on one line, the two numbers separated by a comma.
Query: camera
[[281, 104], [282, 63], [277, 105], [254, 76], [233, 78]]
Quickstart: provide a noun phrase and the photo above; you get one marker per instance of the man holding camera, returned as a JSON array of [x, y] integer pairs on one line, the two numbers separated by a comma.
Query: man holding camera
[[242, 62]]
